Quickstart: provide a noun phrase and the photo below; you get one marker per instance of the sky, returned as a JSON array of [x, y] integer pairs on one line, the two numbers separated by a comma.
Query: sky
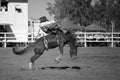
[[37, 9]]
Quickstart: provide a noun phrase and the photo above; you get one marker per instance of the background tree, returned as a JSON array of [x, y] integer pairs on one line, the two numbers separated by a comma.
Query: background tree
[[111, 14], [76, 10], [102, 12]]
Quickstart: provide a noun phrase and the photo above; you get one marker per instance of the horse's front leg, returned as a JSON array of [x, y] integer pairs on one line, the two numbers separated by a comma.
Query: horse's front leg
[[59, 58]]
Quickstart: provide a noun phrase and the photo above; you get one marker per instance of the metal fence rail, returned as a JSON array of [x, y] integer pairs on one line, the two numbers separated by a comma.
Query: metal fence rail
[[82, 37]]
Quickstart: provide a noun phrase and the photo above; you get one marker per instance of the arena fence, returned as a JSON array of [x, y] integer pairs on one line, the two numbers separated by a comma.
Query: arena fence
[[84, 39], [101, 38], [8, 39]]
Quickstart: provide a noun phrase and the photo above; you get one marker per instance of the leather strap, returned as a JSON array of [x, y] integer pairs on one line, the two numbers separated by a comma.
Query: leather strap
[[45, 42]]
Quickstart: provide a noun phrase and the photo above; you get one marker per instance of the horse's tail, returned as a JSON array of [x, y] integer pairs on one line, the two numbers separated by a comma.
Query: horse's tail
[[16, 50]]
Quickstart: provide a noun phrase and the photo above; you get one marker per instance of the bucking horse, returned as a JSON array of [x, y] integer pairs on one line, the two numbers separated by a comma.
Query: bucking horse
[[51, 41]]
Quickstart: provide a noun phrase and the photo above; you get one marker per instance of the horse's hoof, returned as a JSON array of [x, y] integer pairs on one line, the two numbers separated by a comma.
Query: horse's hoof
[[57, 61], [34, 68], [74, 58]]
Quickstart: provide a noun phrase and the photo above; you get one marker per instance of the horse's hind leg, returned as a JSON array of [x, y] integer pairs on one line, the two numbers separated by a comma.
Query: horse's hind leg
[[38, 53], [74, 57], [73, 51]]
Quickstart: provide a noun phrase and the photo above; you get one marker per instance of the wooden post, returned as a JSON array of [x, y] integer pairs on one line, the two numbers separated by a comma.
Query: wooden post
[[5, 41], [32, 31], [112, 43], [85, 43]]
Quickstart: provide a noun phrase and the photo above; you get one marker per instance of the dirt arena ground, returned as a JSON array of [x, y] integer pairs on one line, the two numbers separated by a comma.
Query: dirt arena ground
[[92, 64]]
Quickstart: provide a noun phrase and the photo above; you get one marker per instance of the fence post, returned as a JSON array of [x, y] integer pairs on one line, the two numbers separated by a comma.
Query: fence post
[[85, 43], [32, 31], [112, 43], [4, 44]]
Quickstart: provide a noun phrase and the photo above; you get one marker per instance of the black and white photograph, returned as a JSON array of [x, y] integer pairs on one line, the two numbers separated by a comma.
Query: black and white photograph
[[59, 39]]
